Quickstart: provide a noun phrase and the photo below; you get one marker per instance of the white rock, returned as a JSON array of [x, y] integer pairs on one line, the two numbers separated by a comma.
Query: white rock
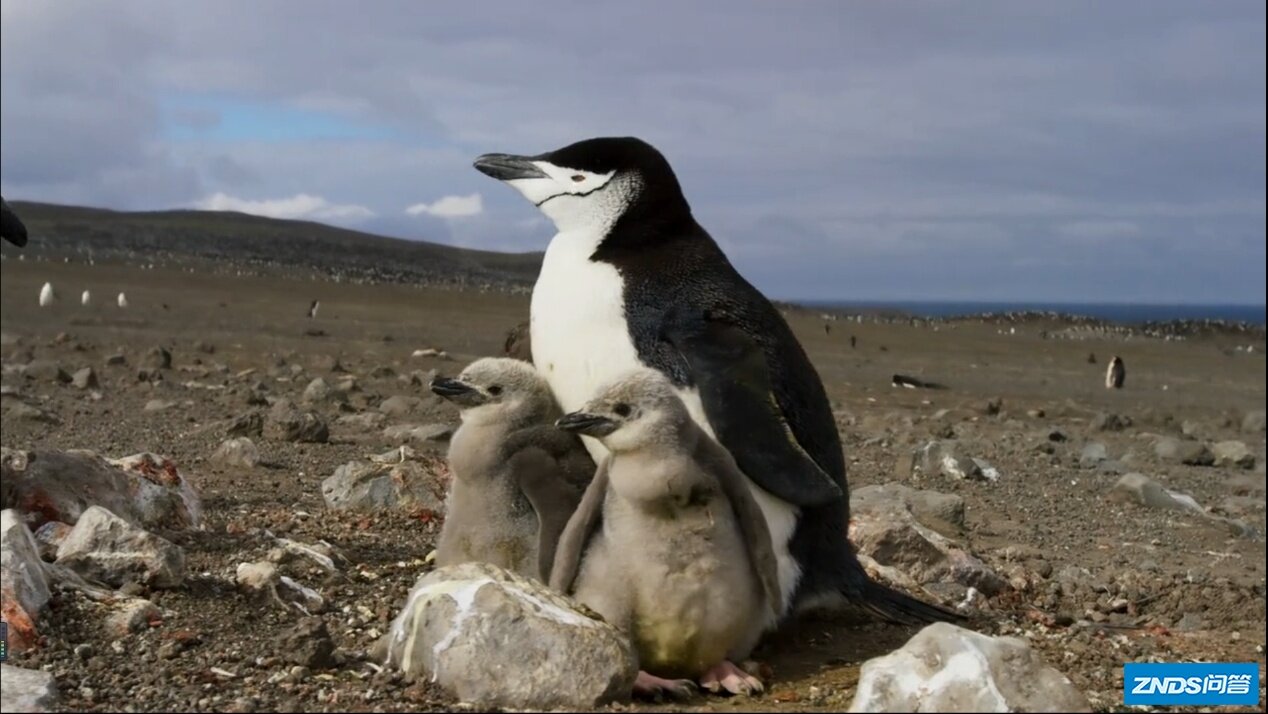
[[945, 668], [106, 548], [496, 639], [23, 581], [240, 452], [27, 690]]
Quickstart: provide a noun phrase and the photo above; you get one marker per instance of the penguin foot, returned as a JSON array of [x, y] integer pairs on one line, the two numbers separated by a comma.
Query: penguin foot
[[725, 676], [655, 688]]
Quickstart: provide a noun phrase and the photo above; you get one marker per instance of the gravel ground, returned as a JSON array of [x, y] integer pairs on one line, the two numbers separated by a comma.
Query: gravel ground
[[1101, 583]]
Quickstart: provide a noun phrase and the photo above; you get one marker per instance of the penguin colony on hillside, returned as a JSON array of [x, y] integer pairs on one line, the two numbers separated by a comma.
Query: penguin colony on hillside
[[653, 379]]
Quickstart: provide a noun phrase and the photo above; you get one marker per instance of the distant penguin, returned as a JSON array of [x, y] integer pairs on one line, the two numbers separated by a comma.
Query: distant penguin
[[11, 227], [827, 329], [312, 309], [47, 296], [627, 250], [516, 478], [518, 343], [85, 298], [854, 341], [1091, 358], [123, 300], [1116, 374]]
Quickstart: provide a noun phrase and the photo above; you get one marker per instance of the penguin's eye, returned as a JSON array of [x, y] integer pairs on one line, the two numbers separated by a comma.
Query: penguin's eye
[[622, 410], [495, 390], [578, 178]]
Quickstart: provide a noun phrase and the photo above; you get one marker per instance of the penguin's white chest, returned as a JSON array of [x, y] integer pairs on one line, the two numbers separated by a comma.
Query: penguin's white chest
[[579, 335]]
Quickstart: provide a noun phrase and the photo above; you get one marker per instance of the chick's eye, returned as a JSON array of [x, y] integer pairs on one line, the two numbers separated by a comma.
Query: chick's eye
[[622, 410], [578, 178], [495, 390]]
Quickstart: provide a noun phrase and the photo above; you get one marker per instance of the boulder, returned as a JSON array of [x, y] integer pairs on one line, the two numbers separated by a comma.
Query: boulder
[[240, 453], [144, 489], [45, 370], [1142, 490], [27, 690], [400, 405], [1093, 453], [24, 589], [318, 392], [362, 485], [108, 549], [884, 526], [945, 668], [496, 639], [1191, 453], [365, 421], [1234, 454], [286, 423]]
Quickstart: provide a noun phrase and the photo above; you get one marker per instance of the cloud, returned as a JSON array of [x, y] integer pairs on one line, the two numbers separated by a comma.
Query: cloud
[[1028, 139], [1098, 230], [299, 206], [450, 207]]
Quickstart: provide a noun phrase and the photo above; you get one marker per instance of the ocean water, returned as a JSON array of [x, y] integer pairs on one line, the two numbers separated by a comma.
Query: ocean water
[[1126, 313]]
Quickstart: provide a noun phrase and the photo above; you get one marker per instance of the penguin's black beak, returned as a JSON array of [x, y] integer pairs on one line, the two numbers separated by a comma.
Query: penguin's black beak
[[588, 424], [458, 392], [508, 167]]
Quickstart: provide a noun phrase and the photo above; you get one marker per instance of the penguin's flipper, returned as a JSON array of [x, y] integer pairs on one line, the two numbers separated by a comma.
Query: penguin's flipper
[[576, 535], [552, 469], [730, 372], [752, 523], [11, 227]]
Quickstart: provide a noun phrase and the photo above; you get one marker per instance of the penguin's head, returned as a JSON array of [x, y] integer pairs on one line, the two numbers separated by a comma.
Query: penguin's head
[[637, 410], [593, 183], [497, 389]]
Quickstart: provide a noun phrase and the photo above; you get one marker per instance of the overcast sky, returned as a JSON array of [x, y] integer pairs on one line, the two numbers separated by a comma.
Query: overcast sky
[[864, 150]]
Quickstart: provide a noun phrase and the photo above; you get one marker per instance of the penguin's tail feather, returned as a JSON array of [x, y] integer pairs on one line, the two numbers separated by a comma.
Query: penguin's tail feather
[[898, 607]]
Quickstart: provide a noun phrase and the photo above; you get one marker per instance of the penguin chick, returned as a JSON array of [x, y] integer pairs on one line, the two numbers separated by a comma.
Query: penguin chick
[[668, 542], [516, 478]]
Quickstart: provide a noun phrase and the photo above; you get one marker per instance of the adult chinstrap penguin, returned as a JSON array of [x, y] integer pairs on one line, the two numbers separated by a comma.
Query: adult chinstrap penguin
[[11, 227], [627, 252]]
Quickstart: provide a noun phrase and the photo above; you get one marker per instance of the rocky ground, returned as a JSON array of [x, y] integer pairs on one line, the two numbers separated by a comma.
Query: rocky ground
[[1019, 507]]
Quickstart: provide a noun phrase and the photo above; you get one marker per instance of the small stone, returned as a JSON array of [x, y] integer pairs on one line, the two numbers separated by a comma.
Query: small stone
[[1093, 453], [116, 360], [46, 370], [1105, 421], [158, 358], [133, 616], [240, 453], [85, 379], [307, 644]]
